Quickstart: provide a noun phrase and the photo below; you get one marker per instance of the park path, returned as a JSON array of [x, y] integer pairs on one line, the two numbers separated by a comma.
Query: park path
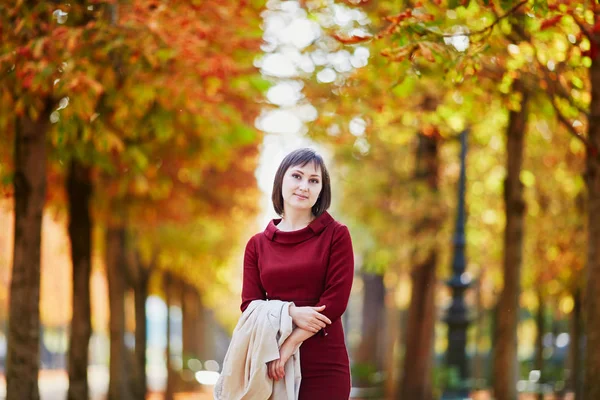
[[54, 385]]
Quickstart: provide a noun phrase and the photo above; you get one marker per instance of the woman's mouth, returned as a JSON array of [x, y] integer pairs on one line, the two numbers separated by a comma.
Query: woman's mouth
[[301, 197]]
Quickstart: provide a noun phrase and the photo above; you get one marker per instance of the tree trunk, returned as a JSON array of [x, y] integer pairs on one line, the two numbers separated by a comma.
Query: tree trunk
[[23, 349], [204, 340], [418, 356], [539, 343], [119, 385], [169, 390], [575, 381], [478, 366], [505, 352], [370, 349], [141, 290], [79, 190], [193, 334], [392, 343], [592, 299]]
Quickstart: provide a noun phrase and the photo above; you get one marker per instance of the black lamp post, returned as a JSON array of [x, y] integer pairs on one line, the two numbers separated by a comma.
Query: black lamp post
[[456, 317]]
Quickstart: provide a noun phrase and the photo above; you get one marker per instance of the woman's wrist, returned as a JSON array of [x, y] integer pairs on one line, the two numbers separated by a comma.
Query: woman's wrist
[[292, 310], [292, 342]]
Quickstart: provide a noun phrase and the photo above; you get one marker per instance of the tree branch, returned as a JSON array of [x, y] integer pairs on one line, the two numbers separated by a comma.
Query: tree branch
[[581, 25], [487, 29], [567, 124], [557, 88]]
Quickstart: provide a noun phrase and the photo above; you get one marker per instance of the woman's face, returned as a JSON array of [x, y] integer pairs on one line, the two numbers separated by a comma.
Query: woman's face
[[301, 186]]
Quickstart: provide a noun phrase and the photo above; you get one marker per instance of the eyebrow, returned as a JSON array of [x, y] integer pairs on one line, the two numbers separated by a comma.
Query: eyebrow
[[297, 170]]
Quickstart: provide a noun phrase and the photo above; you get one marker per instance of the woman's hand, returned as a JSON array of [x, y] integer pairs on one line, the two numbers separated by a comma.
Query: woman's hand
[[309, 318], [276, 368]]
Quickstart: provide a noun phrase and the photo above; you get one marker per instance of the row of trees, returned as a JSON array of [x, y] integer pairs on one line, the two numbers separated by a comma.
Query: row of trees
[[527, 68], [137, 118]]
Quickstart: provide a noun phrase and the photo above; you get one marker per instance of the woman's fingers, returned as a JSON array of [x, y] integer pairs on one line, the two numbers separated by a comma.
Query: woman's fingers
[[280, 369], [323, 318], [274, 370], [269, 367]]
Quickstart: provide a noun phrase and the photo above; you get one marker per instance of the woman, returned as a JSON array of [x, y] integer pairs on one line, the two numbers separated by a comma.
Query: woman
[[305, 257]]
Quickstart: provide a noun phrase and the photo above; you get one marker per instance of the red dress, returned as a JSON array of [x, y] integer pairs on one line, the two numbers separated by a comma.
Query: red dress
[[312, 266]]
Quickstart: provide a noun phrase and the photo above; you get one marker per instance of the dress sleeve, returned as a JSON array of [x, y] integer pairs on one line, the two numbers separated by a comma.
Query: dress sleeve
[[252, 288], [340, 274]]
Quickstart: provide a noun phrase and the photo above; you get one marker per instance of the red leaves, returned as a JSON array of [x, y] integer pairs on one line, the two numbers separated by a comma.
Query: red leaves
[[350, 39], [354, 3], [396, 19], [550, 22], [27, 81], [426, 52], [592, 52], [24, 51]]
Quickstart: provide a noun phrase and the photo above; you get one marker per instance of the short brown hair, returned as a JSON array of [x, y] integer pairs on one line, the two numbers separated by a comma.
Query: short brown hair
[[302, 157]]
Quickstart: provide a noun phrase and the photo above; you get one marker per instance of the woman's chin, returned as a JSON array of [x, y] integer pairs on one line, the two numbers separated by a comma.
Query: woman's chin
[[300, 205]]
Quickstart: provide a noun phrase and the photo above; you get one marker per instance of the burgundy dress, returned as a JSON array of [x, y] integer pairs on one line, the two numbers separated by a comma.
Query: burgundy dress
[[312, 266]]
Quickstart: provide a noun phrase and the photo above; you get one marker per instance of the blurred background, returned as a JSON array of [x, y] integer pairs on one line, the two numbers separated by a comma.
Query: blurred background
[[139, 142]]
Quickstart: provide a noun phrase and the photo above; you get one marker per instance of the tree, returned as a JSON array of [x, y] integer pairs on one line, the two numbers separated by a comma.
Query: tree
[[32, 55], [424, 34], [133, 49], [505, 351]]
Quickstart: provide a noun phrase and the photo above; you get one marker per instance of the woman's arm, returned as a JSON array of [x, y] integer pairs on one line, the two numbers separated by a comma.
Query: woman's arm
[[276, 368], [340, 274], [252, 288], [309, 318]]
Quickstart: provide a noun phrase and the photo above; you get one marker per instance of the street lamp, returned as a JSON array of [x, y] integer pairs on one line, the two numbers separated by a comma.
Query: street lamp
[[456, 317]]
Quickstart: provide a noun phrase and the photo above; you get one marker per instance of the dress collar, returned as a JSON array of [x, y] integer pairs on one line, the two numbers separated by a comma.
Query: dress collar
[[300, 235]]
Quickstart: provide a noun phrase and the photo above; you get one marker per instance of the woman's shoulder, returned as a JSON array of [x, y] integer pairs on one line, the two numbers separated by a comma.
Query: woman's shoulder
[[254, 238], [338, 228]]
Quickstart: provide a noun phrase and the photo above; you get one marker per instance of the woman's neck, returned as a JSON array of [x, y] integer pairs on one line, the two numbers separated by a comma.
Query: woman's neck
[[294, 220]]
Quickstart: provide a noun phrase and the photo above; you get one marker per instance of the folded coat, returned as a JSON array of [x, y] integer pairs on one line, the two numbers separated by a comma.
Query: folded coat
[[260, 331]]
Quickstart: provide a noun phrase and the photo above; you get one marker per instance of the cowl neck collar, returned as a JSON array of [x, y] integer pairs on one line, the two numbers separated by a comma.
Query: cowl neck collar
[[300, 235]]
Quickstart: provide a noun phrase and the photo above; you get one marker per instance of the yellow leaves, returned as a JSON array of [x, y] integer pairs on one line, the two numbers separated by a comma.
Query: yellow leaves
[[212, 86], [93, 84], [38, 47], [566, 304], [113, 142], [72, 41], [20, 107], [527, 178], [399, 53], [140, 185], [84, 82], [19, 26]]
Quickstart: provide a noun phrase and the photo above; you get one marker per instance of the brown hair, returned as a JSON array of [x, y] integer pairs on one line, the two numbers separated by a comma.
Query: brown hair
[[302, 157]]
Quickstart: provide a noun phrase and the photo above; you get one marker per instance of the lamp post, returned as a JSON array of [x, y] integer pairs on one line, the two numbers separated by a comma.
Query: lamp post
[[456, 317]]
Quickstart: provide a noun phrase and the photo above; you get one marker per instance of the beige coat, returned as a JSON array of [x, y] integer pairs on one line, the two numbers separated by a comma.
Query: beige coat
[[261, 330]]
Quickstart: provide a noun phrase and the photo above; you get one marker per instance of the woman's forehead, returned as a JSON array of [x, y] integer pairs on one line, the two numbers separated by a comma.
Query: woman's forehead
[[310, 167]]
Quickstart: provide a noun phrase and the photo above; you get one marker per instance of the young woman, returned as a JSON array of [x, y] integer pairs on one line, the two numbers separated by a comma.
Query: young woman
[[305, 257]]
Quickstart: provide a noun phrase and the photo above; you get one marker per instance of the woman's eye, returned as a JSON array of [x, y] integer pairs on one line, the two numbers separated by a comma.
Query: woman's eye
[[315, 181], [295, 175]]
